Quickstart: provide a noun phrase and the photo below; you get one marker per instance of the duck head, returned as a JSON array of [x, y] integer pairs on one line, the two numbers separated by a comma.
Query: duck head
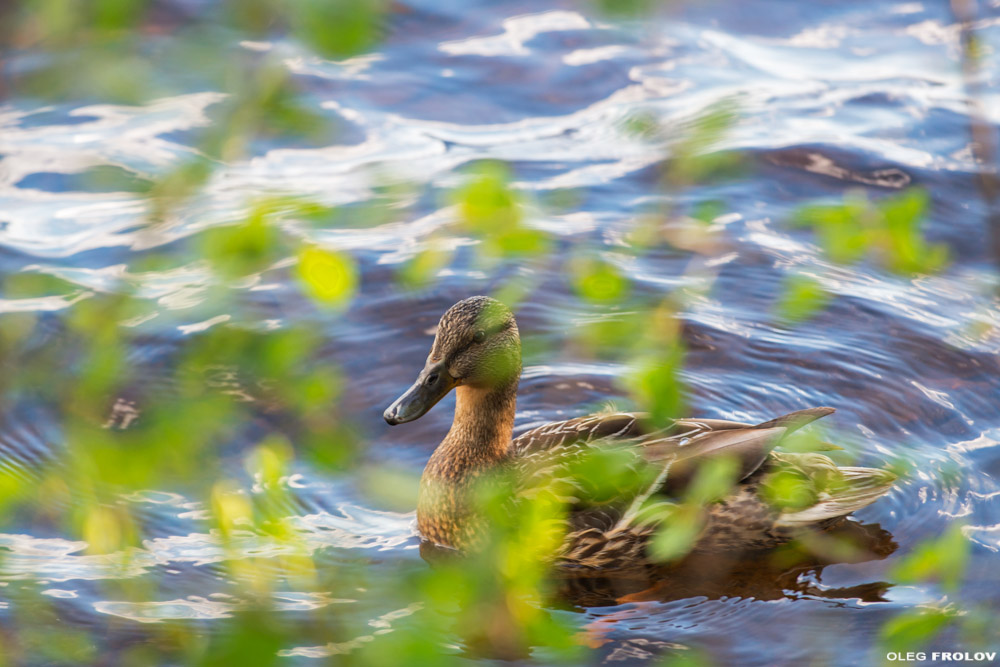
[[477, 346]]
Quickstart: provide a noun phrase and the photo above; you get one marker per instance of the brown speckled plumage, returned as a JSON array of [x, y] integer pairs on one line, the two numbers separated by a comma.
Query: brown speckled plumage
[[477, 350]]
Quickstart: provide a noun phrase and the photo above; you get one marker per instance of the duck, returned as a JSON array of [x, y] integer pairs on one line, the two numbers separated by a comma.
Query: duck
[[477, 353]]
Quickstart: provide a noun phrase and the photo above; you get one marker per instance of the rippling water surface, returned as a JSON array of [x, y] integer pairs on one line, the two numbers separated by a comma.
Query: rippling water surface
[[831, 96]]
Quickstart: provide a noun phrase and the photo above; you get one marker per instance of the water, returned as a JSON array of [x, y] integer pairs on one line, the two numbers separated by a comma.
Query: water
[[831, 96]]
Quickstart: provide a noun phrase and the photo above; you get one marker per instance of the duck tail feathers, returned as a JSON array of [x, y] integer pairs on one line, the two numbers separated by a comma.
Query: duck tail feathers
[[796, 420], [861, 487]]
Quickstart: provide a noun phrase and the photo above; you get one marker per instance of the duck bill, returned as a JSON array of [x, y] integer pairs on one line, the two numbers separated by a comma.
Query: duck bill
[[431, 386]]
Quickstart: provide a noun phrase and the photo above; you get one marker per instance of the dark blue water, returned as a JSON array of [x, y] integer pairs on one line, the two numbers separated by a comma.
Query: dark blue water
[[830, 97]]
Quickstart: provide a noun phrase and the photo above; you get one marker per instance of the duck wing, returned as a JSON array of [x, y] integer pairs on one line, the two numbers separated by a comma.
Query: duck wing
[[616, 508], [683, 444]]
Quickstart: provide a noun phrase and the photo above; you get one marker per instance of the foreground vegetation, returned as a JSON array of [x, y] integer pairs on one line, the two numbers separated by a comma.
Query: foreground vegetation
[[498, 603]]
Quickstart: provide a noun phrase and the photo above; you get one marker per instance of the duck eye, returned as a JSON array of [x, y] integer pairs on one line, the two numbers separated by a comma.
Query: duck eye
[[479, 337]]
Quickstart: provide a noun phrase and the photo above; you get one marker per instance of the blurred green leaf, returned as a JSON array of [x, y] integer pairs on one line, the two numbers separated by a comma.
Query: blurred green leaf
[[889, 228], [626, 8], [913, 629], [423, 267], [329, 277], [943, 559], [713, 480], [338, 28], [608, 474], [901, 238], [788, 490], [486, 203], [598, 281], [840, 228], [33, 285], [178, 184], [677, 534], [240, 250], [695, 157], [251, 638], [113, 15], [655, 384], [643, 124], [801, 298]]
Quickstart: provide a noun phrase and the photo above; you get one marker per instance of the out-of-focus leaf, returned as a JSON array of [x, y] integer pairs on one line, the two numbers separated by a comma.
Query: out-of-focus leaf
[[329, 277], [608, 474], [423, 267], [696, 157], [785, 490], [239, 250], [486, 203], [905, 246], [890, 228], [801, 298], [251, 638], [112, 15], [943, 559], [840, 228], [338, 28], [678, 533], [31, 285], [103, 530], [713, 480], [643, 124], [178, 184], [231, 508], [519, 241], [626, 8], [598, 280], [655, 383], [913, 629]]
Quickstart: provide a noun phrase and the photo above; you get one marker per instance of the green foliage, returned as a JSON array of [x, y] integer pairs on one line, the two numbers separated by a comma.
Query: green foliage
[[943, 559], [626, 8], [900, 240], [914, 629], [695, 157], [329, 277], [252, 638], [654, 382], [801, 298], [787, 490], [599, 281], [605, 475], [337, 28], [493, 212], [243, 249], [678, 533], [605, 337], [486, 203], [423, 268], [888, 229], [682, 524]]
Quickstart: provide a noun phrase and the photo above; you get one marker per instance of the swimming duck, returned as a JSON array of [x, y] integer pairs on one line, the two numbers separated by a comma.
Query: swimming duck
[[477, 352]]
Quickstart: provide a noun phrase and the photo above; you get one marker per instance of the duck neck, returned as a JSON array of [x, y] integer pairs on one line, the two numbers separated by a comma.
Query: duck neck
[[476, 445], [483, 424]]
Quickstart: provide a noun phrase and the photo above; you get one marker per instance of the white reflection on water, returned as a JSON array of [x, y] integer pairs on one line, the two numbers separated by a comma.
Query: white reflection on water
[[54, 559], [383, 625], [517, 31], [200, 608]]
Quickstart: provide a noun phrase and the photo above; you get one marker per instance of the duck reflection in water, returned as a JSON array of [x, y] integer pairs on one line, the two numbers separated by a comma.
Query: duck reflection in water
[[792, 571]]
